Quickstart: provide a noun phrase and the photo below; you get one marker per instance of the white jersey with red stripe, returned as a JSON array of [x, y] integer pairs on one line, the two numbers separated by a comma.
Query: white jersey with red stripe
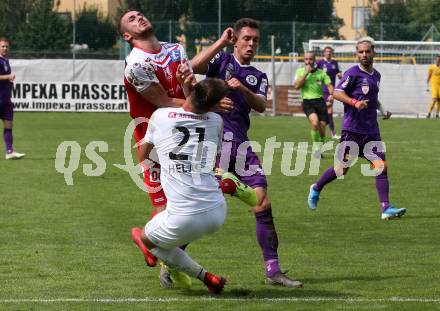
[[145, 67], [187, 145]]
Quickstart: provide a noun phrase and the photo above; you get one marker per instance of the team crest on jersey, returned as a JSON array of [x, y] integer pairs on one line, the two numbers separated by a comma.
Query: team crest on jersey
[[333, 67], [252, 80], [365, 86]]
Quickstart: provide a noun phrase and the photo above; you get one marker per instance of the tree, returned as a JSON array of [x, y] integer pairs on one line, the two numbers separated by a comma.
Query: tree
[[12, 15], [393, 22], [95, 30], [313, 19], [44, 29], [407, 21], [160, 10], [424, 11]]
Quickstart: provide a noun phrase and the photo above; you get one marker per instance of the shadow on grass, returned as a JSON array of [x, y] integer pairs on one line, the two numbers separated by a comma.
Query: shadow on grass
[[366, 278], [36, 158], [266, 293], [422, 216]]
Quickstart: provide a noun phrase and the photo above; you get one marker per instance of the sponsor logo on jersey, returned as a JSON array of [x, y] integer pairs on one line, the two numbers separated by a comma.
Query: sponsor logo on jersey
[[159, 56], [175, 56], [252, 80], [148, 70], [263, 85], [168, 74], [229, 71], [132, 78], [217, 56], [172, 115], [347, 80]]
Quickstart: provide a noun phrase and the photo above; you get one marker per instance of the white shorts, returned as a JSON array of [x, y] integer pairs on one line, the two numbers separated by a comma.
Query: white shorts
[[169, 230]]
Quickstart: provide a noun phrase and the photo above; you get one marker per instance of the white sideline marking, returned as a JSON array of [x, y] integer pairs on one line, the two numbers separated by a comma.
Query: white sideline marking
[[244, 299]]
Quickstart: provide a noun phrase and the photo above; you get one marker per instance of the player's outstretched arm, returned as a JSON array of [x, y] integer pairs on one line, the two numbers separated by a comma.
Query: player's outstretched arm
[[156, 95], [186, 78], [386, 114], [144, 155], [10, 77], [200, 62], [331, 91]]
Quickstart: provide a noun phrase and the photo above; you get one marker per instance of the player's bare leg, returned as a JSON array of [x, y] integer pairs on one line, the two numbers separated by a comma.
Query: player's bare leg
[[431, 107], [438, 108], [322, 125], [178, 259], [268, 241], [331, 123], [316, 134]]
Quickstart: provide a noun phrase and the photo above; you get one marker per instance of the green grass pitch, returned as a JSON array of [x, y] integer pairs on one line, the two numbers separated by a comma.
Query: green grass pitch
[[69, 248]]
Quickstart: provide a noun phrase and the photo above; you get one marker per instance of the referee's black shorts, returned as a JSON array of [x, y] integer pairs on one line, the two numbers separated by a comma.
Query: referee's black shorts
[[316, 105]]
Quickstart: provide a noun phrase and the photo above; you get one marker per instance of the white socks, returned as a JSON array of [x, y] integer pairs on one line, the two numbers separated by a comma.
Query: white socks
[[179, 260]]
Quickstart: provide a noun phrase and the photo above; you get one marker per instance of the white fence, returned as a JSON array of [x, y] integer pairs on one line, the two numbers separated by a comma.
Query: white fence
[[49, 85]]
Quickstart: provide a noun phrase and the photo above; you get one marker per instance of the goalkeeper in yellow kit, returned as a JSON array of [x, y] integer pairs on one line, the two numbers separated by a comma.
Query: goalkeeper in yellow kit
[[434, 78]]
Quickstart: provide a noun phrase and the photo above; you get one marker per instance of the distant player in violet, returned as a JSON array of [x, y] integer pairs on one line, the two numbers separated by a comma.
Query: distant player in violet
[[358, 90], [331, 68], [249, 88], [6, 107]]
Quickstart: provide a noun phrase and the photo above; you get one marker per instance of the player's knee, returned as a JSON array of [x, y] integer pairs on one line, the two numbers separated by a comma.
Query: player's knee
[[148, 244], [264, 204], [380, 167], [340, 170]]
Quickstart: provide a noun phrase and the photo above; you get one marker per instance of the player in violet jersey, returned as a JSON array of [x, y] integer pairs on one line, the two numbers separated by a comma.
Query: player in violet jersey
[[358, 90], [249, 87], [6, 107], [331, 68]]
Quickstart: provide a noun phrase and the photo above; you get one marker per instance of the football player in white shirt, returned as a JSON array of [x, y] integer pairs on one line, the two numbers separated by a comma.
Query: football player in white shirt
[[187, 141], [151, 82]]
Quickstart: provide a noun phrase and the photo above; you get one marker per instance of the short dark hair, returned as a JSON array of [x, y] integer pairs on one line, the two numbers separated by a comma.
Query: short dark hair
[[207, 93], [121, 32], [245, 22], [328, 48], [4, 39]]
